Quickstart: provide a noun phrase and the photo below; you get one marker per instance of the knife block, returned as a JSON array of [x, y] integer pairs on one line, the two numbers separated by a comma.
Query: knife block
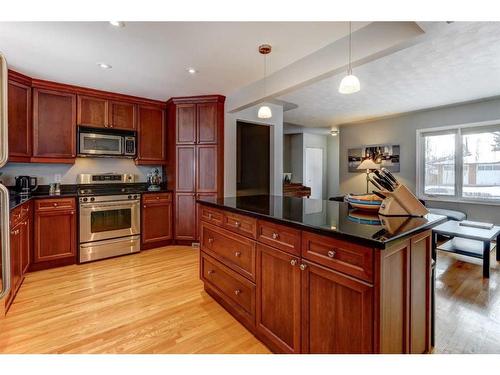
[[401, 202]]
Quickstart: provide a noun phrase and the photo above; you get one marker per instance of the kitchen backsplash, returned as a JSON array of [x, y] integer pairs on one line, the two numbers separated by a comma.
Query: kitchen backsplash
[[48, 173]]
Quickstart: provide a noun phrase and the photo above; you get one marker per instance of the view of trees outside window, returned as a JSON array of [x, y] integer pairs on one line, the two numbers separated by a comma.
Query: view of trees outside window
[[480, 161], [439, 164], [481, 165]]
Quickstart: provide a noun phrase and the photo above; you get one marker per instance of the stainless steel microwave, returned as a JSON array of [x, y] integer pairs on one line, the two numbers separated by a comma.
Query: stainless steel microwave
[[92, 142]]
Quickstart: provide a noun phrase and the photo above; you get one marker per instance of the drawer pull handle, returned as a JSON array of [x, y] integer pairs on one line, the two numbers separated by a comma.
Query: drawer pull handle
[[210, 272], [237, 224], [275, 236], [210, 216], [331, 254], [293, 262], [237, 292], [303, 266], [237, 254], [157, 198], [210, 240], [55, 204]]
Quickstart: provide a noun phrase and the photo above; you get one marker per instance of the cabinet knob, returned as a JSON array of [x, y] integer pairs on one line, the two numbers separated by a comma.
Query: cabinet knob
[[303, 266], [72, 212], [293, 262], [210, 240], [275, 236], [237, 254], [144, 206], [157, 198], [237, 291], [237, 224], [210, 216], [55, 204], [331, 253], [210, 272]]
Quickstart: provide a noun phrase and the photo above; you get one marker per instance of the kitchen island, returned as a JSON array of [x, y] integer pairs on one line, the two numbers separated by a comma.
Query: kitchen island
[[314, 276]]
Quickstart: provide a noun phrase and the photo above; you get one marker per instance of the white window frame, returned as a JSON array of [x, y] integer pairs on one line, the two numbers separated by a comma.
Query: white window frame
[[458, 164]]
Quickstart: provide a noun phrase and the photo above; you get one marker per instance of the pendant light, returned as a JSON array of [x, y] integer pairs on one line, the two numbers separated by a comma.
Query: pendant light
[[264, 111], [350, 83]]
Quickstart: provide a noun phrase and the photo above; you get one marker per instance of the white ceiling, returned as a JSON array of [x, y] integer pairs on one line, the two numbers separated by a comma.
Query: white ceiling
[[460, 62], [149, 59]]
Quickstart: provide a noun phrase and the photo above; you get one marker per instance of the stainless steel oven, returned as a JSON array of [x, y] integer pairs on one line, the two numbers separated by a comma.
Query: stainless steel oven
[[93, 142], [109, 226]]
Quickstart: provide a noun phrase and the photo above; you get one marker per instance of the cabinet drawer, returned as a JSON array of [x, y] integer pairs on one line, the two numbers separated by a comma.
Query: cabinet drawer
[[343, 256], [211, 215], [157, 197], [279, 236], [234, 288], [241, 224], [19, 213], [54, 204], [236, 252]]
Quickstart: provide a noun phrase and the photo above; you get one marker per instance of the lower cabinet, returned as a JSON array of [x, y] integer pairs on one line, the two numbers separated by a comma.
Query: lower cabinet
[[337, 312], [278, 299], [54, 233], [156, 219]]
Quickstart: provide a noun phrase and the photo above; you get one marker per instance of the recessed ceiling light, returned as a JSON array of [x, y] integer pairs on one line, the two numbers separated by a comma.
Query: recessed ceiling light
[[117, 23], [104, 66], [191, 70]]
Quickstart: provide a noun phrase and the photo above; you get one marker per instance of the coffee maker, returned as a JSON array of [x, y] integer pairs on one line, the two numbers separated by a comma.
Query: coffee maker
[[26, 184]]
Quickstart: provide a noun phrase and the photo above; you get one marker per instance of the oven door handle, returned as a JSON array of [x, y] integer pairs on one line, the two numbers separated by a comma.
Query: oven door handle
[[110, 205]]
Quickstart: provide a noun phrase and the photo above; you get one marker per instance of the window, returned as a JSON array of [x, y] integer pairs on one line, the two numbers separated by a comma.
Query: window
[[460, 163]]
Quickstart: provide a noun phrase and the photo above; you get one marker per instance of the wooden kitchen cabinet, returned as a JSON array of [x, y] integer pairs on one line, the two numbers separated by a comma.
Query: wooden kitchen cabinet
[[185, 216], [337, 312], [54, 126], [151, 134], [104, 113], [26, 243], [92, 111], [20, 121], [278, 312], [156, 219], [196, 154], [54, 233]]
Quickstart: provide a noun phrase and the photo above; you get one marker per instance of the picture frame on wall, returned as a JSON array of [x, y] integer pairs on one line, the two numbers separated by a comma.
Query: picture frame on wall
[[386, 155]]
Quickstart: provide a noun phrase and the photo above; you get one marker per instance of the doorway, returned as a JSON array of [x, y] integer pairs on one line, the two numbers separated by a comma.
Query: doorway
[[314, 171], [253, 159]]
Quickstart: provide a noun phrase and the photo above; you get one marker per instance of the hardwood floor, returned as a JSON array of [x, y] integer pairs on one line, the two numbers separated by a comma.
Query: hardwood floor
[[153, 302], [467, 306]]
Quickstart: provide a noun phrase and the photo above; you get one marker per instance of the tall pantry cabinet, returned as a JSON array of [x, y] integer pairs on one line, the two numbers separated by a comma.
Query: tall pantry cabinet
[[196, 157]]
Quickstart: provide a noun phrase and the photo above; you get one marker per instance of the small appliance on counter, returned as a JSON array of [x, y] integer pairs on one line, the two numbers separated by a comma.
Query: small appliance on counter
[[26, 184], [154, 180]]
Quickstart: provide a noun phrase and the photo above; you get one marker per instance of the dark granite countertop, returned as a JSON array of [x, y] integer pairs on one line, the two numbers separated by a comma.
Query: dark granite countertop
[[330, 218], [16, 199]]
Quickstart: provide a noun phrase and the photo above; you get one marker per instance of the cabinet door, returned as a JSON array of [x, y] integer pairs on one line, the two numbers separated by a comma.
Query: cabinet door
[[54, 124], [55, 235], [206, 169], [337, 312], [20, 129], [15, 256], [92, 111], [186, 123], [25, 245], [156, 222], [207, 123], [152, 137], [186, 168], [278, 299], [121, 115], [185, 216]]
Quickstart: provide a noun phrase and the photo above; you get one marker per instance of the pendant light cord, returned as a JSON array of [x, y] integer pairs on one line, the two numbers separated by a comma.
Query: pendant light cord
[[265, 75], [349, 71]]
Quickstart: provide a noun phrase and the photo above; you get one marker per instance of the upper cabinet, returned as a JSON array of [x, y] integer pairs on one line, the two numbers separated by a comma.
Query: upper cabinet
[[103, 113], [19, 109], [197, 123], [54, 126], [152, 135]]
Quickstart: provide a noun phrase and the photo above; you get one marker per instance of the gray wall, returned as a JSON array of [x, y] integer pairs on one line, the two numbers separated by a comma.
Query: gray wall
[[402, 130], [297, 157]]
